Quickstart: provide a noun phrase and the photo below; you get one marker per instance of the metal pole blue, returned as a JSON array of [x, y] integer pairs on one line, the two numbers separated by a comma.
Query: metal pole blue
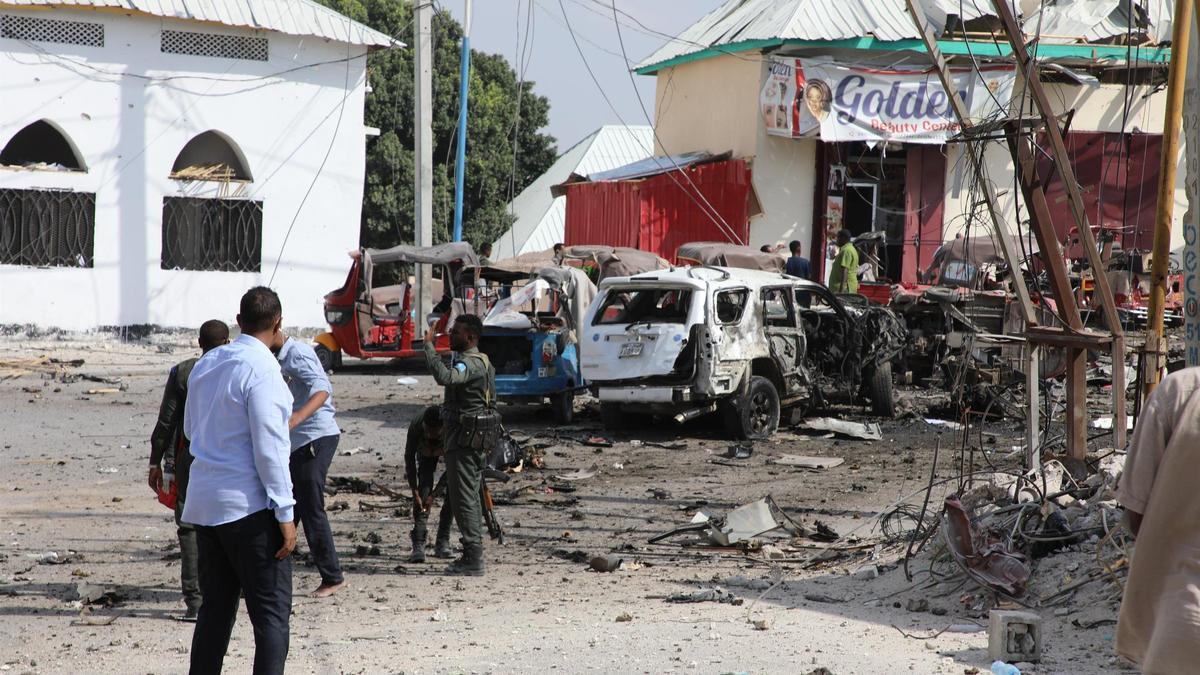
[[460, 164]]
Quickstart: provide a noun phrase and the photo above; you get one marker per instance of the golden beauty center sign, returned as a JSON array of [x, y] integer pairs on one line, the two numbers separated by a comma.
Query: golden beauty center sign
[[840, 102]]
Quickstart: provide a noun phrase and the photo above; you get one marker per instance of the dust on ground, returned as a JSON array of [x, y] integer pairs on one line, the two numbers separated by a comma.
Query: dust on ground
[[78, 519]]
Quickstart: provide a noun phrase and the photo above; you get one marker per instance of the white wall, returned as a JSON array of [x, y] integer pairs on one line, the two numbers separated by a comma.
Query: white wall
[[128, 125], [712, 105]]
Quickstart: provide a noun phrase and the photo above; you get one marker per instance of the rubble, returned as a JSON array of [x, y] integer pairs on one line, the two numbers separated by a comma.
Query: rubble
[[859, 430], [803, 462]]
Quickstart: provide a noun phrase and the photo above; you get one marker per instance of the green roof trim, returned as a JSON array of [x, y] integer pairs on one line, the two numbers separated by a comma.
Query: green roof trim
[[949, 47]]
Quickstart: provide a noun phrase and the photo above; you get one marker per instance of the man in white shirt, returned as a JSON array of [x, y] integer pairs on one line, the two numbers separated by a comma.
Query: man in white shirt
[[1159, 623], [240, 491]]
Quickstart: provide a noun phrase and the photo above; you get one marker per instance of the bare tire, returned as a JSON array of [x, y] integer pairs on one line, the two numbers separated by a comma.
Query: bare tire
[[563, 406], [327, 358], [879, 390], [756, 416]]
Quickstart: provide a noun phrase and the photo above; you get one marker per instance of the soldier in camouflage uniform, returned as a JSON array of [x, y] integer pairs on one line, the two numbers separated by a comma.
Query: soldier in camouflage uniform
[[169, 447], [470, 383]]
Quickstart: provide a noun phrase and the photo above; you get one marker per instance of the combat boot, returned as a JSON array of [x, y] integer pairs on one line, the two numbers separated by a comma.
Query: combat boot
[[418, 549], [441, 549], [471, 562]]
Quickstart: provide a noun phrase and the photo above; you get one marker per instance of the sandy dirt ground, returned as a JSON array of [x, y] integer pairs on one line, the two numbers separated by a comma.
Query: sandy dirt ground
[[76, 514]]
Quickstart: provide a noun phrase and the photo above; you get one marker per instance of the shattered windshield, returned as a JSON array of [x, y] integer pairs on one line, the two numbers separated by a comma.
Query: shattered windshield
[[647, 305]]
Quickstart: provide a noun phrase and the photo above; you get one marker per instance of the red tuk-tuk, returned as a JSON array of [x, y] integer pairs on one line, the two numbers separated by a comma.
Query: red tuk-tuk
[[368, 321]]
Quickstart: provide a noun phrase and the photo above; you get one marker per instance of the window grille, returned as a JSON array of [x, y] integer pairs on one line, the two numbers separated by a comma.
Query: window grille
[[53, 228], [207, 234], [214, 44], [51, 30]]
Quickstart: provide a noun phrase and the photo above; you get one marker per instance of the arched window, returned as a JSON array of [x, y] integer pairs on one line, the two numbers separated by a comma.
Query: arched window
[[41, 145], [221, 233], [211, 156]]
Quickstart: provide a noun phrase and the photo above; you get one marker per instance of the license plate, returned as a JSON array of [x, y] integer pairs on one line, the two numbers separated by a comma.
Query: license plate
[[548, 371], [631, 349]]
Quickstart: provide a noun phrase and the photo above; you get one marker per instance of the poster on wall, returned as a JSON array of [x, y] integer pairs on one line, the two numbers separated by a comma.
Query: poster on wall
[[842, 102]]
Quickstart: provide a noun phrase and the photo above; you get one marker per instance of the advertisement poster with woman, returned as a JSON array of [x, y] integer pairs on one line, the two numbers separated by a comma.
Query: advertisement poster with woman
[[842, 102]]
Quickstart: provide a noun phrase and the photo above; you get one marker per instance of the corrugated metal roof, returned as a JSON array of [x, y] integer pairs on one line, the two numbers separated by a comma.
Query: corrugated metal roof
[[541, 217], [743, 20], [1094, 20], [293, 17], [660, 213], [748, 21]]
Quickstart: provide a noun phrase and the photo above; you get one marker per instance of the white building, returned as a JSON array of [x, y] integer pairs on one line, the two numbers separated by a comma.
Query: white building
[[540, 216], [161, 158]]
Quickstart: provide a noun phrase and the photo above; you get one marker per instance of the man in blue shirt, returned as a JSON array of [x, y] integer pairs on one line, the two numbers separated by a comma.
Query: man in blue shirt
[[240, 489], [314, 442], [797, 265]]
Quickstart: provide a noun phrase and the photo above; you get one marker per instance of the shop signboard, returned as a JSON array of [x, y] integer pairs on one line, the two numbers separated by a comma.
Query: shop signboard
[[842, 102]]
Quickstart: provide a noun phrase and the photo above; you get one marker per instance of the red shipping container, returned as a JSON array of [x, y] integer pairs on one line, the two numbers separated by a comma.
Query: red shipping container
[[659, 213]]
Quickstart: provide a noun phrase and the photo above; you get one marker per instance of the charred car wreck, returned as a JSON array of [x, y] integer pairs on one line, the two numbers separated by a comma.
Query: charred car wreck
[[746, 343]]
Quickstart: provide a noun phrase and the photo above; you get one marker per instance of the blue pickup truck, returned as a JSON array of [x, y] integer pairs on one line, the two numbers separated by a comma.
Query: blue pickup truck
[[531, 333]]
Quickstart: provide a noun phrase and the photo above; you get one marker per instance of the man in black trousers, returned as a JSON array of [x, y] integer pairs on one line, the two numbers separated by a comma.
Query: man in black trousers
[[240, 490]]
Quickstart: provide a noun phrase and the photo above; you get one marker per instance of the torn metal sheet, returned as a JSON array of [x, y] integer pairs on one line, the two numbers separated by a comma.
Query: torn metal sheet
[[740, 525], [982, 556], [744, 523], [865, 431], [579, 474], [805, 462]]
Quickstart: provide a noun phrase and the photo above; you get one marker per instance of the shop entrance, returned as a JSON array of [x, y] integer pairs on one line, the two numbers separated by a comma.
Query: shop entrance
[[892, 189]]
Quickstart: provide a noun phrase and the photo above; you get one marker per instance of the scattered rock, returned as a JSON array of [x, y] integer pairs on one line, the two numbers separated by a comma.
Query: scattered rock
[[624, 617], [761, 624], [917, 605], [866, 573], [605, 563]]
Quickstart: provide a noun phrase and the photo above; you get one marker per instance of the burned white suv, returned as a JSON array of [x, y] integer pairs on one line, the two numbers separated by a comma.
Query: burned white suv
[[696, 340]]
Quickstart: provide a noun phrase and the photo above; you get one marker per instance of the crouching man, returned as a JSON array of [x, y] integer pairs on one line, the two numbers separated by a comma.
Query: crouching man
[[425, 446]]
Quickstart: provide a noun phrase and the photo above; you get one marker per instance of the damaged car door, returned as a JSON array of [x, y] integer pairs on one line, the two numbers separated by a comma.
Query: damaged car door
[[785, 337]]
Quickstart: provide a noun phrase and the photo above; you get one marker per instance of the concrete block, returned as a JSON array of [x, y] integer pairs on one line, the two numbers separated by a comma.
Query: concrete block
[[1014, 635]]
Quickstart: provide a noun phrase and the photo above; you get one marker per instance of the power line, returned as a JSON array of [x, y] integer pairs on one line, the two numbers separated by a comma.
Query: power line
[[329, 150], [723, 225]]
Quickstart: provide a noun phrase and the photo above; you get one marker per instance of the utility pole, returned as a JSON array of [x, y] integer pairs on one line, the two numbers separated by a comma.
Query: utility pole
[[975, 152], [423, 155], [460, 164], [1153, 351]]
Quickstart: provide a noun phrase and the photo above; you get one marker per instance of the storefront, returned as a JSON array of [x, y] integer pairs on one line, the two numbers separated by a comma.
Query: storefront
[[882, 137]]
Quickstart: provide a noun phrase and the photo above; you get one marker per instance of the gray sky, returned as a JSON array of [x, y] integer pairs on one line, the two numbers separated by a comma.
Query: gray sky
[[576, 106]]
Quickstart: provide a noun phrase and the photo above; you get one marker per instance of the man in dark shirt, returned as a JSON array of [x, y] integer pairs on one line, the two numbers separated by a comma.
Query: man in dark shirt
[[168, 447], [797, 265], [426, 445]]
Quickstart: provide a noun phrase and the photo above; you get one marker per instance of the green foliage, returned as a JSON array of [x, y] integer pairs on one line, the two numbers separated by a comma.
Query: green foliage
[[387, 217]]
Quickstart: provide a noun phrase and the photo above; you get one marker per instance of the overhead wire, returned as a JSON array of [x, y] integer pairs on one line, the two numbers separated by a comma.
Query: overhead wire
[[522, 54], [329, 150], [708, 209]]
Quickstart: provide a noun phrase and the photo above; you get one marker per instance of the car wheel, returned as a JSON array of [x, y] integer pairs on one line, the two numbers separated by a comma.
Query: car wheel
[[879, 390], [563, 406], [326, 357], [756, 416]]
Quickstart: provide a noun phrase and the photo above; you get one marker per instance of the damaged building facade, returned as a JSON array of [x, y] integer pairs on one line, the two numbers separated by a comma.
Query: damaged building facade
[[159, 159], [845, 125]]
